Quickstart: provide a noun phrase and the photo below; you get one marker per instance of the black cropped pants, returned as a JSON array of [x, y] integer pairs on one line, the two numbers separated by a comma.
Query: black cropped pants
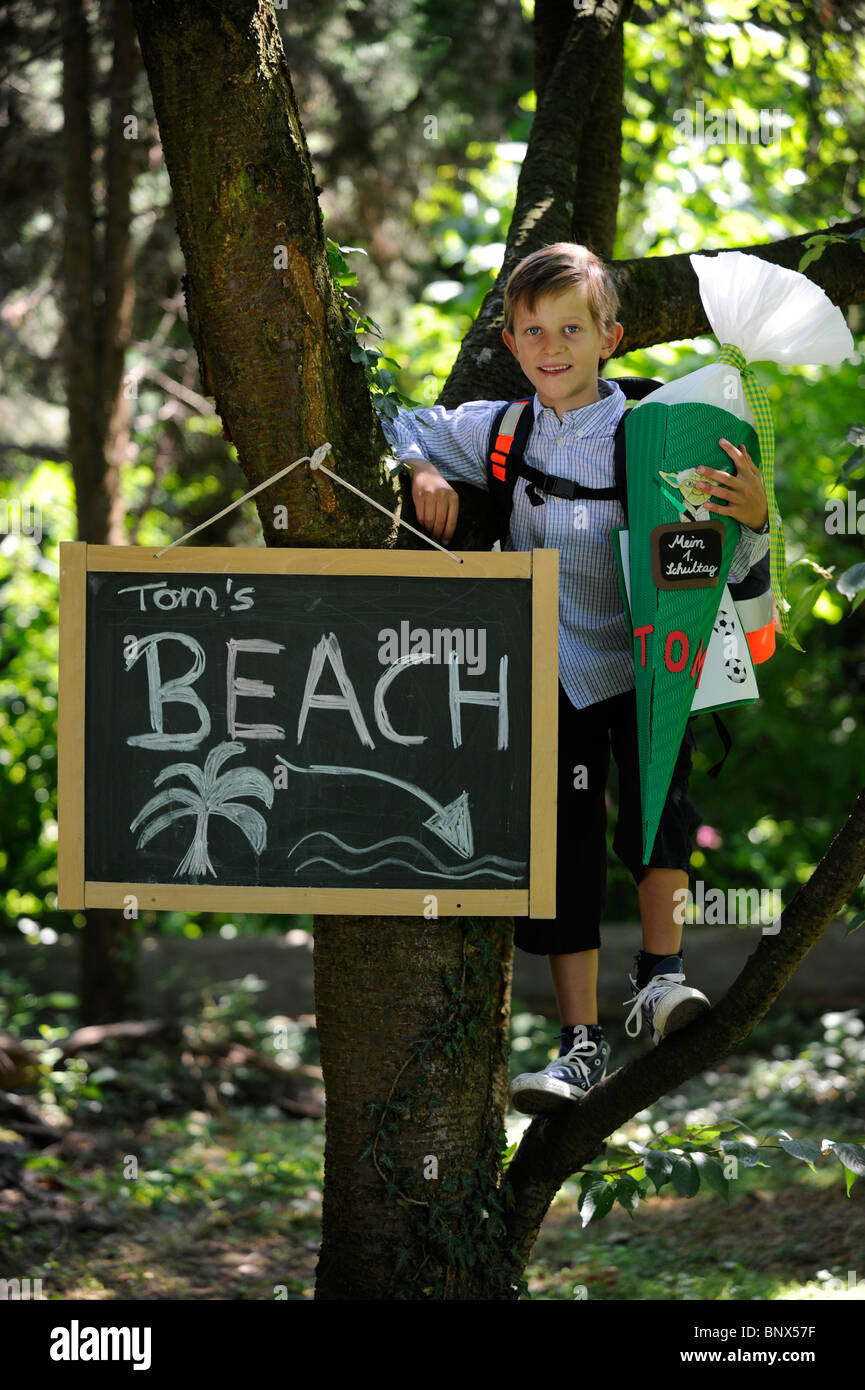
[[586, 738]]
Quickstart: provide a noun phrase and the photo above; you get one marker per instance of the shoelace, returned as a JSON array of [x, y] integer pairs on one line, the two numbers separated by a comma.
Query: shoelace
[[648, 995], [576, 1060]]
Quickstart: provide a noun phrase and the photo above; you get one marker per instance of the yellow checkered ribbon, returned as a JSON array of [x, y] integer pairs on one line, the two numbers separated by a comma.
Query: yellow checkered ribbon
[[764, 420]]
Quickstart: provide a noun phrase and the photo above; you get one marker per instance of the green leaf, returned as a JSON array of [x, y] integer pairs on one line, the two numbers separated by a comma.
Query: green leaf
[[860, 916], [853, 1157], [658, 1167], [627, 1193], [589, 1180], [712, 1175], [852, 581], [803, 1149], [388, 407], [686, 1176], [597, 1203], [336, 260], [850, 467], [746, 1155], [805, 602], [816, 246], [732, 1120]]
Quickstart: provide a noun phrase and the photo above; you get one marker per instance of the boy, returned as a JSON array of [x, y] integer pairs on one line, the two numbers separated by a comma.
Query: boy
[[560, 322]]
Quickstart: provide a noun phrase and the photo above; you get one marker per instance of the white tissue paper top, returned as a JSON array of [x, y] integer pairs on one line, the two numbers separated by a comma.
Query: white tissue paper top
[[770, 314]]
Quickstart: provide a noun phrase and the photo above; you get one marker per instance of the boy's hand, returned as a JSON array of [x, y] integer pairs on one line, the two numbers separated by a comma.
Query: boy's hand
[[436, 503], [744, 498]]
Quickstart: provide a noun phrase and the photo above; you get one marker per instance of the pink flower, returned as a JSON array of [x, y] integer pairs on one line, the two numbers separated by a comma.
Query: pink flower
[[708, 837]]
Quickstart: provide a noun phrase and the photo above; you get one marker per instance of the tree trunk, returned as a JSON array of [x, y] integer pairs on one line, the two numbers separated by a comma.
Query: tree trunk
[[599, 165], [413, 1023], [271, 349], [549, 195], [95, 490], [267, 322], [118, 260], [99, 296]]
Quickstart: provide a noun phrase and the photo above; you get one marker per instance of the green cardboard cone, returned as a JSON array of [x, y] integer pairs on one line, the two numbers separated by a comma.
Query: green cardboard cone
[[680, 556]]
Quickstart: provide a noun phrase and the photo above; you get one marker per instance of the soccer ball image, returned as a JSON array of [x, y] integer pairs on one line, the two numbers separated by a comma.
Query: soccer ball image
[[724, 623], [735, 670]]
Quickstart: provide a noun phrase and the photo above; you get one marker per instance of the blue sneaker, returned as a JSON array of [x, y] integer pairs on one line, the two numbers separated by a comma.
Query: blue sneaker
[[569, 1077], [665, 1001]]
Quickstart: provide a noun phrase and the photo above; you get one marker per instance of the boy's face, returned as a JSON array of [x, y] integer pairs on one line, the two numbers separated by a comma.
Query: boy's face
[[558, 345]]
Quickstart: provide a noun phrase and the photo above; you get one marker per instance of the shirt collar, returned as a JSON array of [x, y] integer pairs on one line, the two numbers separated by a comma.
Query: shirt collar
[[602, 412]]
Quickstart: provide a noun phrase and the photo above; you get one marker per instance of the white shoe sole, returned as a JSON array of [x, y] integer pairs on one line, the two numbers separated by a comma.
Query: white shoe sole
[[541, 1093], [677, 1009]]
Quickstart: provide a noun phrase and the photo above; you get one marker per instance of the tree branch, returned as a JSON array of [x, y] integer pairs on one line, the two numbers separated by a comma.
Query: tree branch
[[554, 1146], [596, 193], [544, 207], [49, 452], [557, 201], [660, 296], [660, 303], [599, 176]]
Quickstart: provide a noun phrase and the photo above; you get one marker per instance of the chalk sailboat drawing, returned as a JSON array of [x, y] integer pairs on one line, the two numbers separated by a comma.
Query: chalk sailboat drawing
[[213, 796]]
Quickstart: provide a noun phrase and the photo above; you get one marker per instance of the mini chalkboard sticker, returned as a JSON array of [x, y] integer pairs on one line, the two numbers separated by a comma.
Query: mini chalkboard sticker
[[687, 556]]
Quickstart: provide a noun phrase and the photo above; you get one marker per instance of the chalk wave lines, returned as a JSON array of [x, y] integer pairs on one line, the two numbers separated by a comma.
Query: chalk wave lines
[[510, 870]]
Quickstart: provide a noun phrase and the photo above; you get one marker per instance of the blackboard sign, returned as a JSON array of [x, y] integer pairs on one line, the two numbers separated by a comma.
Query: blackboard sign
[[302, 730], [687, 557]]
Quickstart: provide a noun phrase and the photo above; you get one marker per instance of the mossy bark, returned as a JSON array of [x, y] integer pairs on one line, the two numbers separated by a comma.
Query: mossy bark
[[413, 1021], [266, 319]]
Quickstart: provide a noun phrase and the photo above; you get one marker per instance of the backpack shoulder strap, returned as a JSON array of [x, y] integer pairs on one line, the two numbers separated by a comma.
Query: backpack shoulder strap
[[509, 434]]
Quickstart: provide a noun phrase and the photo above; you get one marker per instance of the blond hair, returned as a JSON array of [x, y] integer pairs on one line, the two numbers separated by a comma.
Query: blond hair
[[556, 268]]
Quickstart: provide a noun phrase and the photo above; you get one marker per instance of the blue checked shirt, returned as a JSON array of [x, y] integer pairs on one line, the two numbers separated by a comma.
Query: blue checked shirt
[[595, 639]]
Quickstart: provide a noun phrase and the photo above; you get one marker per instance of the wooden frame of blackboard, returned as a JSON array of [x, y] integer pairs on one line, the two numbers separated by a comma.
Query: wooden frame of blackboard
[[75, 892]]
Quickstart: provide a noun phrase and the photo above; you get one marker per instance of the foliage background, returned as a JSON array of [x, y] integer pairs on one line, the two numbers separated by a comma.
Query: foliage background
[[417, 151]]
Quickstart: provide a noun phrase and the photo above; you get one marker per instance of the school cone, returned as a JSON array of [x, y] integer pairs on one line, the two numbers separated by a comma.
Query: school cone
[[673, 625]]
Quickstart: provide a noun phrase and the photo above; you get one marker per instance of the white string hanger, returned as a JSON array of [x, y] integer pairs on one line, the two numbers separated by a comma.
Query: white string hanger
[[315, 460]]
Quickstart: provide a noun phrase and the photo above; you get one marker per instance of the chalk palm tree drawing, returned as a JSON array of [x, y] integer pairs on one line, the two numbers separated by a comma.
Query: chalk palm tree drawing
[[213, 796]]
